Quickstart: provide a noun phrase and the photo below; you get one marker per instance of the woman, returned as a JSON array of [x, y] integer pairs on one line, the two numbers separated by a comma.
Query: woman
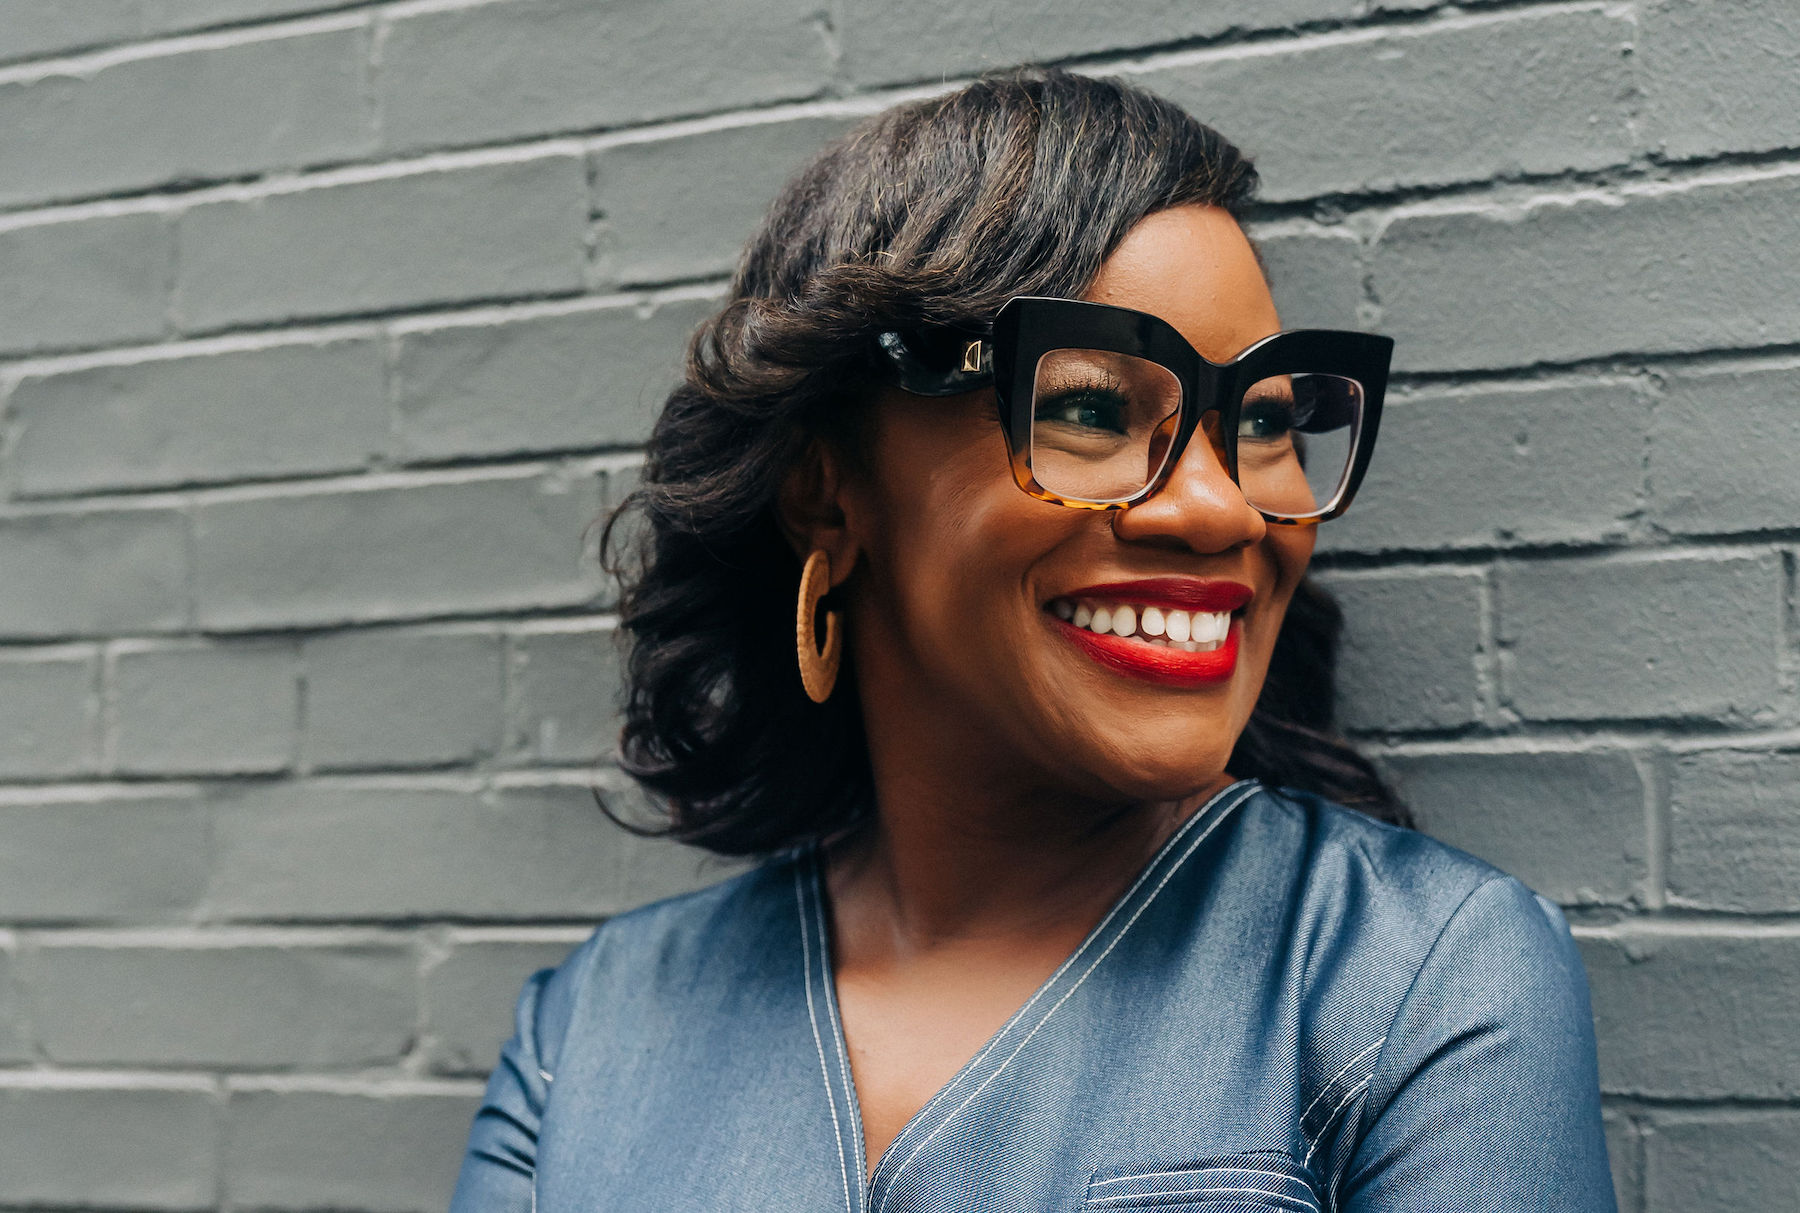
[[999, 397]]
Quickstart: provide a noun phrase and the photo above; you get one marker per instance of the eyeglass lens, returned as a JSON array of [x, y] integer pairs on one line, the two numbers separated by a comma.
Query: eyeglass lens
[[1102, 424]]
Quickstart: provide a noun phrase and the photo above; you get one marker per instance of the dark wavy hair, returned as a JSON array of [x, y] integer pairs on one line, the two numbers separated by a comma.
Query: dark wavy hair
[[933, 213]]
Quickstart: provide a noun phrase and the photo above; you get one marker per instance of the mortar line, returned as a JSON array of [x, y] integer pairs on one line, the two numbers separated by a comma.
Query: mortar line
[[1653, 768], [1132, 60]]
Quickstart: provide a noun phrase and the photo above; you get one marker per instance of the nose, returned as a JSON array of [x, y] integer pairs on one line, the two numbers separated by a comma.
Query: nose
[[1198, 507]]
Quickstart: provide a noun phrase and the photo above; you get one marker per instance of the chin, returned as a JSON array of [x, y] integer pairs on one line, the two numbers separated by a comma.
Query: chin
[[1163, 775]]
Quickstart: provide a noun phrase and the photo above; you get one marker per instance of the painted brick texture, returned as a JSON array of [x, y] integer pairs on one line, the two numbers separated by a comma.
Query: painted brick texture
[[327, 329]]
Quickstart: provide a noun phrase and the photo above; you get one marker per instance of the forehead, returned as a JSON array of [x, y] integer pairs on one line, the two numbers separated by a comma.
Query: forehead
[[1192, 266]]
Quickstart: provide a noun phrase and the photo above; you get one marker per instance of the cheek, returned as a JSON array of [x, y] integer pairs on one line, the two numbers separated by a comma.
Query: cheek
[[949, 539], [1290, 551], [960, 556], [1285, 552]]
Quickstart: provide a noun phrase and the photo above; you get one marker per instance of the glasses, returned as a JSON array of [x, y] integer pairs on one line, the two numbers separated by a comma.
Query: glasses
[[1099, 403]]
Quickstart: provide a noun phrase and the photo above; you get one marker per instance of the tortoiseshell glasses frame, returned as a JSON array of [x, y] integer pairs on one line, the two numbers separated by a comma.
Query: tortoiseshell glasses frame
[[1030, 332]]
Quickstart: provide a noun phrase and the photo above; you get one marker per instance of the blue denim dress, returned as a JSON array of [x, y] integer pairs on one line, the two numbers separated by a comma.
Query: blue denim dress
[[1292, 1008]]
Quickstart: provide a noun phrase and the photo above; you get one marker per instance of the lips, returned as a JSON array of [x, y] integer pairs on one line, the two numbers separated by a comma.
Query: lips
[[1179, 593], [1157, 663], [1172, 631]]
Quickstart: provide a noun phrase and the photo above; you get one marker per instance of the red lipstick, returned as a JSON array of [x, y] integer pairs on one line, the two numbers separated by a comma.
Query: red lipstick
[[1154, 662], [1169, 665]]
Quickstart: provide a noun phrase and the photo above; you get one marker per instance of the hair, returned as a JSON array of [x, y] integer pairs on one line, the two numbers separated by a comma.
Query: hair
[[933, 213]]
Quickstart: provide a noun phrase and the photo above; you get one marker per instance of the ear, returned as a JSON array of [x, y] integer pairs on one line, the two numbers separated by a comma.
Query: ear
[[812, 508]]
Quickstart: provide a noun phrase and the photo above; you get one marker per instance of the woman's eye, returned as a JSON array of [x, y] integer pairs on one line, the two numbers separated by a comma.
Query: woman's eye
[[1087, 410], [1266, 419]]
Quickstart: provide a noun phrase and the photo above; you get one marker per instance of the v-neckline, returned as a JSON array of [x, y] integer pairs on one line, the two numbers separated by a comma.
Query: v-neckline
[[866, 1192]]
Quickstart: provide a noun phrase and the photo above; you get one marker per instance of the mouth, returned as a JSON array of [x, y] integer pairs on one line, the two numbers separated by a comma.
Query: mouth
[[1174, 631]]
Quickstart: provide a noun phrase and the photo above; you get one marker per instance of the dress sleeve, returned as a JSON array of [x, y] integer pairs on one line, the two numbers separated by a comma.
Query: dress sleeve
[[499, 1168], [1486, 1094]]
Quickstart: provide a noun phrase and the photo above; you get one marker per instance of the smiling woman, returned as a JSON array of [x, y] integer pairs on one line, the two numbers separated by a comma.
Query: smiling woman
[[1060, 906]]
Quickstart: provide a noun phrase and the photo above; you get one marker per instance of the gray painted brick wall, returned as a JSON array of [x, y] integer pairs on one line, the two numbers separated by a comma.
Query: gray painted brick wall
[[327, 328]]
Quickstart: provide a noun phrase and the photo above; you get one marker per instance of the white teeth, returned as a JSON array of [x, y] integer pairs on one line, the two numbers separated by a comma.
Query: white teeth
[[1190, 631]]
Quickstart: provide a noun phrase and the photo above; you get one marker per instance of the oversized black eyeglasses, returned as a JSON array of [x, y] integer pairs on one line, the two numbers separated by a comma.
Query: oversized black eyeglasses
[[1098, 403]]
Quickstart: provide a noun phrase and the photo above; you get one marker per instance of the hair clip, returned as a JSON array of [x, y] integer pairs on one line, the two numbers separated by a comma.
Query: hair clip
[[941, 362]]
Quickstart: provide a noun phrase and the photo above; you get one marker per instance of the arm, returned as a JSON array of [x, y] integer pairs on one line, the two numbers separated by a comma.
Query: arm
[[500, 1166], [1486, 1095]]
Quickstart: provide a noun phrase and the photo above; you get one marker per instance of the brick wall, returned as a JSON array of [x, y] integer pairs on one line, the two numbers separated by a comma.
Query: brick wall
[[326, 328]]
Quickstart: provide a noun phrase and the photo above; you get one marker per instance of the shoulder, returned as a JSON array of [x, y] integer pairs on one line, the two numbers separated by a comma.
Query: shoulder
[[680, 929], [663, 945], [1451, 932], [1496, 1002], [1445, 1030], [1384, 916], [1392, 854], [1410, 954], [735, 902], [1395, 878]]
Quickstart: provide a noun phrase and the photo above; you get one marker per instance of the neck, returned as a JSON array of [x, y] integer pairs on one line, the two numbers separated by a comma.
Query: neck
[[967, 850]]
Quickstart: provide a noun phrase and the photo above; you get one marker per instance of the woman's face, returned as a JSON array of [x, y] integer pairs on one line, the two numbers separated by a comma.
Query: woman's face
[[963, 612]]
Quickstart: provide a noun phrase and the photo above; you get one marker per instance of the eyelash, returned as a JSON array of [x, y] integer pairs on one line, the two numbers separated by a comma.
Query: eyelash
[[1101, 381]]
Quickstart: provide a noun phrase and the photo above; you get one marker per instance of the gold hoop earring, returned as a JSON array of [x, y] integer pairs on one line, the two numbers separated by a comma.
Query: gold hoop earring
[[818, 668]]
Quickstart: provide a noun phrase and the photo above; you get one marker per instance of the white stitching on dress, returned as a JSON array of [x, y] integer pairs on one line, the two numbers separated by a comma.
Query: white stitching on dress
[[1143, 1175], [813, 1014], [1100, 929], [837, 1035], [1330, 1082], [1349, 1095], [1175, 867], [1108, 1201]]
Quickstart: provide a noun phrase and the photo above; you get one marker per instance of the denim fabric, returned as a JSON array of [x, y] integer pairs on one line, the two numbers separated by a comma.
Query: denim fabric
[[1292, 1008]]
